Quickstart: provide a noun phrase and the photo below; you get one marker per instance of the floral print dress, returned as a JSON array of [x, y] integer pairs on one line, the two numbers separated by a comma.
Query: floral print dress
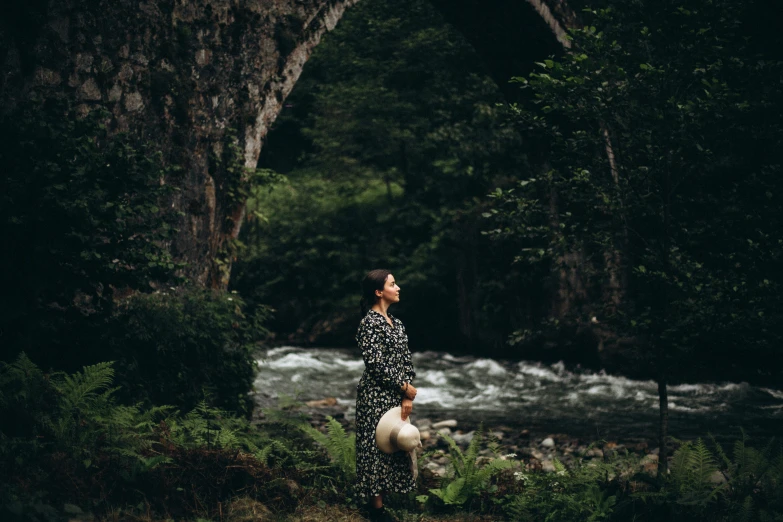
[[387, 365]]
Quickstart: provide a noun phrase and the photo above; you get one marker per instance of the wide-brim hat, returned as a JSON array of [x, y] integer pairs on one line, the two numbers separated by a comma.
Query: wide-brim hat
[[394, 434]]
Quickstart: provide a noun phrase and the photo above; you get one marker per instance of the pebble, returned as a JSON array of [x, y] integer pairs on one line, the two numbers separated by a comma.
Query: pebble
[[548, 466], [425, 435], [423, 424], [444, 431], [548, 442], [436, 469], [594, 453], [463, 438], [652, 457], [451, 423]]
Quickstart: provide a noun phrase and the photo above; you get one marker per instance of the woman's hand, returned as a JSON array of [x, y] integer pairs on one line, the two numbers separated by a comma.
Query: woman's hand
[[407, 408], [409, 391]]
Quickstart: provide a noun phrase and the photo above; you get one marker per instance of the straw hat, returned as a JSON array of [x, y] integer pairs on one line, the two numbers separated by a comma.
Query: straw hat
[[394, 434]]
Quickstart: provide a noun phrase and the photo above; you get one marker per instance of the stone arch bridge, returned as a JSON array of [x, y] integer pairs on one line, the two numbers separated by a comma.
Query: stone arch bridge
[[183, 72]]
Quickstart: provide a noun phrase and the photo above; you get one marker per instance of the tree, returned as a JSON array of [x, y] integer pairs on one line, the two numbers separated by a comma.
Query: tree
[[664, 170], [390, 142]]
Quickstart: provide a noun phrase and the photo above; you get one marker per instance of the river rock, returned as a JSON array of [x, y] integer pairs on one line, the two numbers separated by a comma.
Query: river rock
[[450, 423], [650, 464], [547, 466], [444, 431], [322, 403], [649, 458], [436, 469], [482, 461], [497, 434], [536, 454], [425, 435], [716, 477], [463, 438], [548, 443], [594, 453], [423, 424]]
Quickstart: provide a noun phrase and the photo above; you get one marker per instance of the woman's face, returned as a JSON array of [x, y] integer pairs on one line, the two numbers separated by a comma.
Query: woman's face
[[390, 292]]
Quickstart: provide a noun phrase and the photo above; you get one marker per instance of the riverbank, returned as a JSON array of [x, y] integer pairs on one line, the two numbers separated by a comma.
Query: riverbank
[[536, 450]]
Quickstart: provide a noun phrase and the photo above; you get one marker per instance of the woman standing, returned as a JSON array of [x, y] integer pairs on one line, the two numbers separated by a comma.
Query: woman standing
[[385, 384]]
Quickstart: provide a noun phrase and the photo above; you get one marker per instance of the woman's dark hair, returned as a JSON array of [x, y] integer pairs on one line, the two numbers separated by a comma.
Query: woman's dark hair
[[374, 280]]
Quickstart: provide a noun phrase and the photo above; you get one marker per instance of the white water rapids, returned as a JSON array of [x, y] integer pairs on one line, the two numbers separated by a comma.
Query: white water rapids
[[542, 398]]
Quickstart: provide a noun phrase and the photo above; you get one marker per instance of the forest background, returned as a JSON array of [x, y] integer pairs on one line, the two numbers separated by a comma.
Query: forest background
[[616, 207]]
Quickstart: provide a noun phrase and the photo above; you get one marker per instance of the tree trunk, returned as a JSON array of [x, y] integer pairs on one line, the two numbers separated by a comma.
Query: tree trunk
[[663, 427]]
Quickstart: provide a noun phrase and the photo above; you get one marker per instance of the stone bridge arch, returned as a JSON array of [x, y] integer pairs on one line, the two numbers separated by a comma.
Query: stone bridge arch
[[197, 75]]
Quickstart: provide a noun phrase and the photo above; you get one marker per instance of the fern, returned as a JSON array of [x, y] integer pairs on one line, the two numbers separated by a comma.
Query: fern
[[340, 446], [466, 479], [87, 389], [692, 466]]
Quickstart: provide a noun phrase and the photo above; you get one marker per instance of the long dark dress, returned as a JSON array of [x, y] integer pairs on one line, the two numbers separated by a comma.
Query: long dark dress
[[387, 365]]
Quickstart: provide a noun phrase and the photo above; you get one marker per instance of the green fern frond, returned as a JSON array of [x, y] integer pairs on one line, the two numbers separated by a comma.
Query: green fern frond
[[456, 457], [339, 445], [746, 512], [702, 463], [721, 454], [492, 468], [81, 390]]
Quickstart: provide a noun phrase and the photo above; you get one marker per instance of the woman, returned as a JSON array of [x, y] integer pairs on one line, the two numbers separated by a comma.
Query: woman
[[385, 384]]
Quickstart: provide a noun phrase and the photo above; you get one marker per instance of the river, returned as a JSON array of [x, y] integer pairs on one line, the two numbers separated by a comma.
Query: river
[[528, 395]]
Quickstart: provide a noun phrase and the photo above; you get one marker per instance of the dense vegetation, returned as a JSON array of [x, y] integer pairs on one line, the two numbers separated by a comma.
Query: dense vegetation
[[72, 451], [389, 143], [579, 225], [89, 277], [628, 199]]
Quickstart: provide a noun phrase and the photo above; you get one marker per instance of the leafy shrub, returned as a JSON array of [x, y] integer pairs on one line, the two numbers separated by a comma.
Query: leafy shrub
[[88, 215], [64, 439], [182, 346], [709, 485]]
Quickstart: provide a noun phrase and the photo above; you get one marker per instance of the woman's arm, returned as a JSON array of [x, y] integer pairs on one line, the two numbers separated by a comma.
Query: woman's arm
[[406, 408]]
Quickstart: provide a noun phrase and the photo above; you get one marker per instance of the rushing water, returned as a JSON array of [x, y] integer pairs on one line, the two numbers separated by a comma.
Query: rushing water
[[542, 398]]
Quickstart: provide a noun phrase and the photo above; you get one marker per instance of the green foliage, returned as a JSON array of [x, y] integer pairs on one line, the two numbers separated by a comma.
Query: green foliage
[[654, 119], [583, 492], [178, 346], [707, 484], [340, 446], [64, 439], [88, 213], [388, 142], [468, 480], [692, 467]]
